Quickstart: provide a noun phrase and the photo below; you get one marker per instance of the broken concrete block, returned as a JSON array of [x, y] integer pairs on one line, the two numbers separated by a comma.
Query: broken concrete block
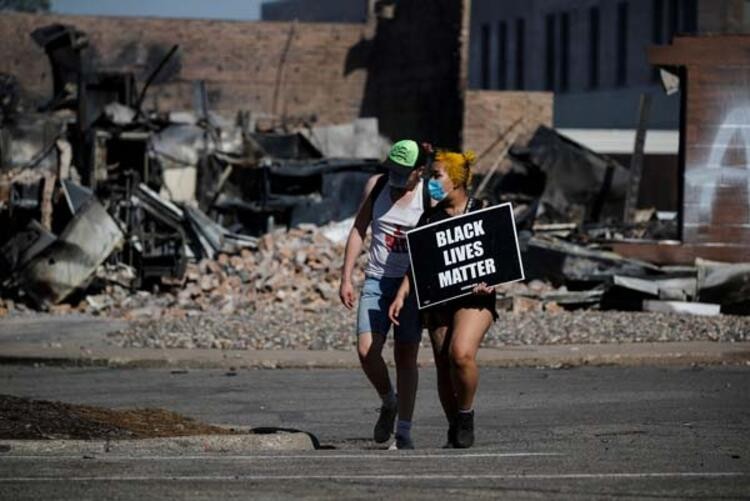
[[266, 242], [192, 273], [504, 303], [208, 283], [553, 308], [144, 312], [726, 284], [61, 309], [237, 263], [681, 307], [677, 289], [524, 304], [234, 282]]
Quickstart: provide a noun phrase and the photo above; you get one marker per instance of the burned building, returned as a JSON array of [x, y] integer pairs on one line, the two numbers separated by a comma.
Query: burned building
[[408, 69], [714, 180], [175, 124]]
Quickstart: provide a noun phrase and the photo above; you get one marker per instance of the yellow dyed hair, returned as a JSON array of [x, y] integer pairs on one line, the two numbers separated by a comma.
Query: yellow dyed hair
[[457, 165]]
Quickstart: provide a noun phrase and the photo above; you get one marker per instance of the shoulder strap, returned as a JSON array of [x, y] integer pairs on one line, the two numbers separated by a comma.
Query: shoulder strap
[[475, 204], [379, 185]]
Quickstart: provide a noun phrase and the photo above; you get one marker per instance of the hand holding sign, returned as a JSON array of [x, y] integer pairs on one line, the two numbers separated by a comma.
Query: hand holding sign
[[483, 289]]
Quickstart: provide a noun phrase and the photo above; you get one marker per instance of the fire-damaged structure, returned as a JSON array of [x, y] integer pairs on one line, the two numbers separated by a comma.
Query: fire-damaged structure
[[576, 214], [93, 178], [714, 180], [101, 186]]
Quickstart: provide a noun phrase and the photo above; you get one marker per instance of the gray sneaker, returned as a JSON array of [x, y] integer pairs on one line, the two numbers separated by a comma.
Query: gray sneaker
[[384, 427]]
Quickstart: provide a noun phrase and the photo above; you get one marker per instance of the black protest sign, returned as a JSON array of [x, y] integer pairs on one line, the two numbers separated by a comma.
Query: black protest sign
[[450, 257]]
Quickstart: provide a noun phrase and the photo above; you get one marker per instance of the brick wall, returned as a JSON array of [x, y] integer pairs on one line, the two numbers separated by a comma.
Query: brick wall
[[415, 83], [715, 141], [405, 71], [489, 114], [239, 61]]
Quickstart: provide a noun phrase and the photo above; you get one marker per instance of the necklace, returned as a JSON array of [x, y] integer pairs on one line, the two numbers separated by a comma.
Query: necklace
[[455, 212]]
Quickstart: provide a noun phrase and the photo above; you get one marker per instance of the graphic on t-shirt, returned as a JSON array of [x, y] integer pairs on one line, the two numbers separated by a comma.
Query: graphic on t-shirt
[[397, 241]]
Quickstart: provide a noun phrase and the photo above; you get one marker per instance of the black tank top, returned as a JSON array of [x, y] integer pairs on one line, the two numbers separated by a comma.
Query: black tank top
[[438, 213]]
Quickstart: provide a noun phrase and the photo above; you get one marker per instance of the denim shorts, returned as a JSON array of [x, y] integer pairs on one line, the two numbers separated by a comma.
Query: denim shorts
[[372, 315]]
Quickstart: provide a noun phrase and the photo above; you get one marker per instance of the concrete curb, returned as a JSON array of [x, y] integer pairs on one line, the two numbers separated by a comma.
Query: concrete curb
[[173, 446], [623, 355]]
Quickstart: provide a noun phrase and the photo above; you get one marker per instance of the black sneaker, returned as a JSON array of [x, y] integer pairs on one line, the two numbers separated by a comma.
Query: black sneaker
[[464, 437], [384, 427], [451, 439]]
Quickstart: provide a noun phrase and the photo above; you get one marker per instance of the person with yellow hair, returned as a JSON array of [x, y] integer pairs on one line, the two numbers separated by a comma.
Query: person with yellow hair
[[457, 327]]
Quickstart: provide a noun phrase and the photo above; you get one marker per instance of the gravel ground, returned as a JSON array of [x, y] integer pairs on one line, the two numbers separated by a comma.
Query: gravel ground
[[274, 327]]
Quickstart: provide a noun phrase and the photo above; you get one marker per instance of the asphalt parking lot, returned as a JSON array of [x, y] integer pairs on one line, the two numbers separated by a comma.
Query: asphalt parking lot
[[585, 433]]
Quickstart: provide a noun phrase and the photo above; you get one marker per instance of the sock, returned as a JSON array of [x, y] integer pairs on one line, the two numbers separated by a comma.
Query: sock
[[466, 411], [389, 399], [403, 429]]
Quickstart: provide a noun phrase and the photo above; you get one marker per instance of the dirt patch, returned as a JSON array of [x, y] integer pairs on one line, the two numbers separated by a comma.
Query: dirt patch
[[23, 418]]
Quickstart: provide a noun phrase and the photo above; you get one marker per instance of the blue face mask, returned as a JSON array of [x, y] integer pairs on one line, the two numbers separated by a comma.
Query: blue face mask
[[436, 190]]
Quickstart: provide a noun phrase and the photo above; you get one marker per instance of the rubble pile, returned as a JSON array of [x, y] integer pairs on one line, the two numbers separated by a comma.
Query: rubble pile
[[300, 268], [301, 310], [282, 295]]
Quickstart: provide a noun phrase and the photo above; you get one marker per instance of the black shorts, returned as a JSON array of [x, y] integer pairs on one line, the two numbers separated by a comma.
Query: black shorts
[[440, 315]]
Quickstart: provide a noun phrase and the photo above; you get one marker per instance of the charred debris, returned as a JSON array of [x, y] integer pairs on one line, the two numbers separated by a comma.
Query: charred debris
[[92, 178], [93, 184]]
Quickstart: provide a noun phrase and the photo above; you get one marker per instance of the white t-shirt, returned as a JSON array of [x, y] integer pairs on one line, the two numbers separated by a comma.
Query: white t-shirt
[[389, 254]]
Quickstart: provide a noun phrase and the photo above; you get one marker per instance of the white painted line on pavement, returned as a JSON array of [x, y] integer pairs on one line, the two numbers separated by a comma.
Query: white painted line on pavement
[[227, 478], [315, 456]]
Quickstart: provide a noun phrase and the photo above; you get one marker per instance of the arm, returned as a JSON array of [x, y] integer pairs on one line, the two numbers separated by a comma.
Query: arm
[[398, 301], [405, 288], [354, 243]]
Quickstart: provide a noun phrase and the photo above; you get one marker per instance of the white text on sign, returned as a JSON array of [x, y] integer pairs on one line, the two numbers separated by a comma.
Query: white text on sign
[[459, 233], [470, 271], [461, 253]]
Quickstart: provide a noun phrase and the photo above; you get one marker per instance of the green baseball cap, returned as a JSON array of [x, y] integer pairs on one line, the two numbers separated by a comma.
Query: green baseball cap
[[402, 159]]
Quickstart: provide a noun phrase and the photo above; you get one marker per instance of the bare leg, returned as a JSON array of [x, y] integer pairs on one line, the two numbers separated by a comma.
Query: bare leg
[[407, 377], [440, 338], [469, 327], [370, 351]]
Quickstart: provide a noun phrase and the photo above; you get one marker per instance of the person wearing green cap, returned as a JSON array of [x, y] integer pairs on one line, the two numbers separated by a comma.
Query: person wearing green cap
[[392, 205]]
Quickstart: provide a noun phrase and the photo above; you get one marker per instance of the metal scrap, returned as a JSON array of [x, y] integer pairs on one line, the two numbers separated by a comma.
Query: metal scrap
[[73, 258]]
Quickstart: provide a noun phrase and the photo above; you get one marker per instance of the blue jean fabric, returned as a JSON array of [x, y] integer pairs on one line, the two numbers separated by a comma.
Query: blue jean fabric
[[372, 315]]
